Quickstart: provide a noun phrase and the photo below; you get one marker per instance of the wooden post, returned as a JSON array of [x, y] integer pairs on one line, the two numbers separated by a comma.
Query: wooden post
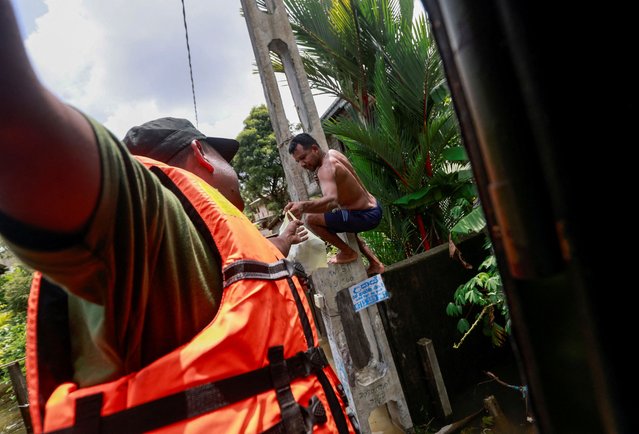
[[501, 424], [434, 376], [20, 389]]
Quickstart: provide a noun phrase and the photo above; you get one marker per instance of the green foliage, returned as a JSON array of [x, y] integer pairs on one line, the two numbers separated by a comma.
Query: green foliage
[[14, 289], [463, 326], [258, 163], [484, 299], [14, 292], [400, 133], [400, 130], [474, 222], [13, 338], [385, 249]]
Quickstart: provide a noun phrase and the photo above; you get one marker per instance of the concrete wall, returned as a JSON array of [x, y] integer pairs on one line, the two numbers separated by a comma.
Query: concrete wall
[[421, 287]]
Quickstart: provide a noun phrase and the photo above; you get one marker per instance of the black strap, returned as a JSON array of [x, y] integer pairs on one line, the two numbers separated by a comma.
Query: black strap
[[87, 417], [191, 402], [333, 404], [306, 324], [291, 412], [314, 414]]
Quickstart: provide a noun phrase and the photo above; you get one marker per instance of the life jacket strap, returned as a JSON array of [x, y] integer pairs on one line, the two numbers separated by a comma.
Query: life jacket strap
[[292, 418], [194, 401], [314, 414], [88, 412]]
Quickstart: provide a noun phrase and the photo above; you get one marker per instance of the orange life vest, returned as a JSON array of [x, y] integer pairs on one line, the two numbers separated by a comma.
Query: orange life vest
[[256, 367]]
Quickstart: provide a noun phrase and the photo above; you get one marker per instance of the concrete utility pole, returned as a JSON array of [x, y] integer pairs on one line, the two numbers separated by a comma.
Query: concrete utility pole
[[358, 343], [271, 32]]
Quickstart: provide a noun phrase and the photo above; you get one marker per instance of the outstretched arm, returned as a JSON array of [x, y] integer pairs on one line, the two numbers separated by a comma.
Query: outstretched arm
[[294, 233], [49, 164], [326, 203]]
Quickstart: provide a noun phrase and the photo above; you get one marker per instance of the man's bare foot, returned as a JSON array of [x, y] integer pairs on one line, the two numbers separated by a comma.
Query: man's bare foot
[[343, 258], [375, 269]]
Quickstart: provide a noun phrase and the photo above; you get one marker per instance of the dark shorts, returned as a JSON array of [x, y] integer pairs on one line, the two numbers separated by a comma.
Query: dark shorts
[[343, 220]]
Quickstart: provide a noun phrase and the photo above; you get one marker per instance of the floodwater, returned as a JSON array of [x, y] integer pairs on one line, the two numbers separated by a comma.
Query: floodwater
[[10, 418]]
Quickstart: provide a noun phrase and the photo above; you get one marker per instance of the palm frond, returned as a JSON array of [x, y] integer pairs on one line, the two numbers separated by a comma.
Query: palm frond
[[400, 121]]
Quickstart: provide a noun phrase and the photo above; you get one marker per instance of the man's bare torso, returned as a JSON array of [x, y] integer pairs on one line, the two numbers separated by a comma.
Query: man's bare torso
[[351, 193]]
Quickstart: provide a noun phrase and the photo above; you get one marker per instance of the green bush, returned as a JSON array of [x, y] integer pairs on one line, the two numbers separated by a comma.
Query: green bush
[[385, 249], [484, 291], [14, 294]]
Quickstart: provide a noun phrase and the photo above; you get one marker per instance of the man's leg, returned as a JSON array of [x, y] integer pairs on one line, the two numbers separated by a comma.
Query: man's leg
[[317, 224], [375, 265]]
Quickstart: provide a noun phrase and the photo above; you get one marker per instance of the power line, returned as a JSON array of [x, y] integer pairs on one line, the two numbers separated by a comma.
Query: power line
[[188, 50]]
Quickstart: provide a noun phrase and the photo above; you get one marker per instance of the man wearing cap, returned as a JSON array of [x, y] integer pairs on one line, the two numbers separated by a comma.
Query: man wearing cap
[[178, 143], [156, 304]]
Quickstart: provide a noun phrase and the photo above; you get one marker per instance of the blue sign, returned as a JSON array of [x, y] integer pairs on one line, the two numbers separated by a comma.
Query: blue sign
[[368, 292]]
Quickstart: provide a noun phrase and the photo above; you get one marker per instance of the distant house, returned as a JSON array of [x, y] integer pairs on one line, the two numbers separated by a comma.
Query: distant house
[[260, 211], [335, 110], [266, 220]]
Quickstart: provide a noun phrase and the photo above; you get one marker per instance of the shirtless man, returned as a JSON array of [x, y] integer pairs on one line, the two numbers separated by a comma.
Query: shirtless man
[[345, 205]]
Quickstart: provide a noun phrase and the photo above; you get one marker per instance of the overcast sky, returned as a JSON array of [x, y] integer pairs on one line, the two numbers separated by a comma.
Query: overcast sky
[[124, 62]]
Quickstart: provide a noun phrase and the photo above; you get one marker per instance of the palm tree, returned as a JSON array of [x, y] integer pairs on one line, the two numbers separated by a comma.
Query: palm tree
[[400, 130]]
